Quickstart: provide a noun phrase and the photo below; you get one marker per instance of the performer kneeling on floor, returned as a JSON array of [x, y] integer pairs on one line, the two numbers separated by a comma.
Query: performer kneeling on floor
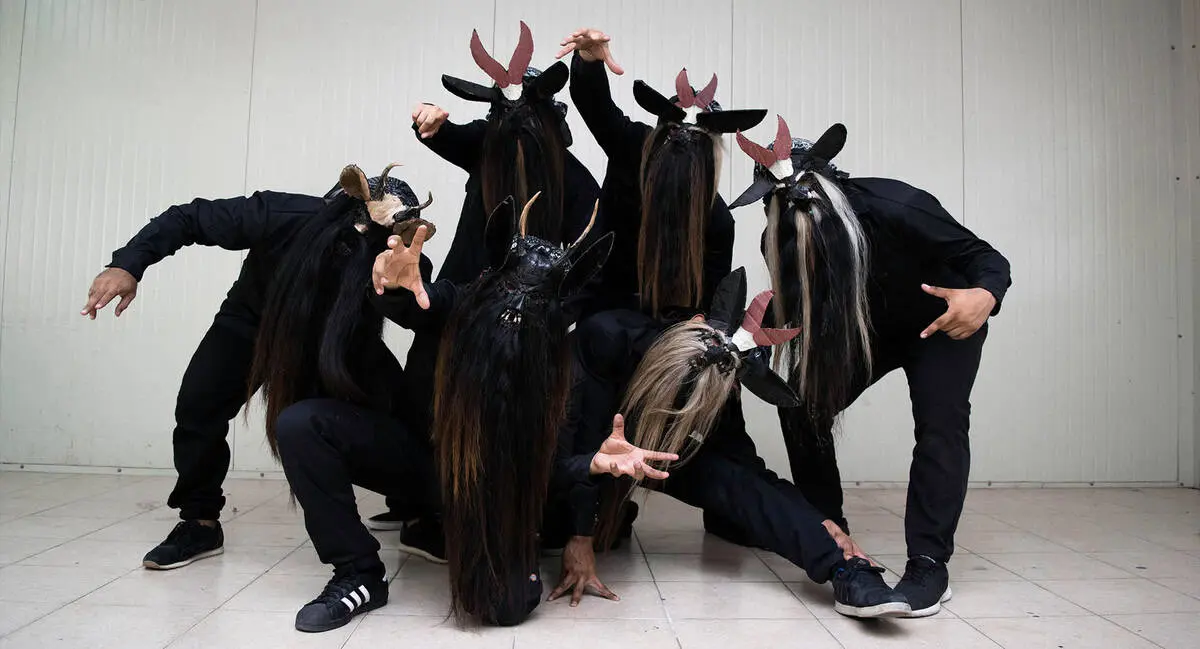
[[675, 386]]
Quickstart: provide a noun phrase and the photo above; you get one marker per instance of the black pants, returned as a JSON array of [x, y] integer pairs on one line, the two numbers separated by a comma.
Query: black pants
[[754, 506], [327, 446], [941, 372], [212, 392]]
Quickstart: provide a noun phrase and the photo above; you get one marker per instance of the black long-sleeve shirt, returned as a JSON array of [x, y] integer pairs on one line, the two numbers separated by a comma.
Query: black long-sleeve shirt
[[266, 224], [913, 241], [622, 140], [262, 223]]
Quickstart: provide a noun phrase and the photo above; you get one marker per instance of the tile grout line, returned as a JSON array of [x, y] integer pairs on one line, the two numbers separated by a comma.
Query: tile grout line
[[235, 594]]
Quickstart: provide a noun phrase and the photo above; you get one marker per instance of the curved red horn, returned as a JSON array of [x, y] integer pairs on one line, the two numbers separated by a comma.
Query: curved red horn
[[753, 322], [490, 66], [683, 90], [783, 140], [707, 94], [521, 56], [758, 153]]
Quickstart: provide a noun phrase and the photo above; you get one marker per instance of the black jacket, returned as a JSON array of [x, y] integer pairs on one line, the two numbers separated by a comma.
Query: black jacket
[[913, 241], [620, 197], [262, 223]]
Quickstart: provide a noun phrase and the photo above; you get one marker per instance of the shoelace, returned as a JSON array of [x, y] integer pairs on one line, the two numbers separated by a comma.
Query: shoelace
[[919, 571], [337, 588], [182, 532]]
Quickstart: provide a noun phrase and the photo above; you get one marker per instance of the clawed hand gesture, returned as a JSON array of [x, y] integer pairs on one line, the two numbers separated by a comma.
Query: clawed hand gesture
[[592, 45], [400, 267], [617, 457]]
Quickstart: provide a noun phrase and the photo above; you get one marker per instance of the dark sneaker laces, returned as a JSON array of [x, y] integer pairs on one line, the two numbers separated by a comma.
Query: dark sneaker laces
[[338, 587]]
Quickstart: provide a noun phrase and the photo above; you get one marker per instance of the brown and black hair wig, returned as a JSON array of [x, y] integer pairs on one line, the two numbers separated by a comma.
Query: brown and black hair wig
[[315, 309], [681, 164], [316, 315], [502, 382], [524, 153]]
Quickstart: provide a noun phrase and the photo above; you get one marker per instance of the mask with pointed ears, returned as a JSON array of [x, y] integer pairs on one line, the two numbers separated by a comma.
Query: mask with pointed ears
[[694, 108], [739, 343], [387, 203], [512, 88], [780, 166], [535, 272]]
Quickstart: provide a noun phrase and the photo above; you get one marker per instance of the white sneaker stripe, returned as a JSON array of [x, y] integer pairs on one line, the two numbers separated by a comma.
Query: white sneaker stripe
[[366, 593], [350, 605], [357, 599]]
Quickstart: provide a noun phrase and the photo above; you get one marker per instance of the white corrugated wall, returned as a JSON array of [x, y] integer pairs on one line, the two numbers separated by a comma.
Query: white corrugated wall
[[1053, 128]]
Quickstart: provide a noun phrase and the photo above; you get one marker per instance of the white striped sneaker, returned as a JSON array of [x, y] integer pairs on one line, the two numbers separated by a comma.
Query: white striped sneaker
[[346, 595]]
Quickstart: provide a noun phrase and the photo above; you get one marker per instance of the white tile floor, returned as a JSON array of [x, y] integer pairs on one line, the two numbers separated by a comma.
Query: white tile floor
[[1053, 568]]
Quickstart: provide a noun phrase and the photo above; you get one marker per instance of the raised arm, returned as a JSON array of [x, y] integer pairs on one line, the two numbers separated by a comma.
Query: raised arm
[[620, 137], [458, 144]]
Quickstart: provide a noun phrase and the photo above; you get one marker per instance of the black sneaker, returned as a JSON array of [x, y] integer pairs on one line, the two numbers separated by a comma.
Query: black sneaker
[[859, 591], [386, 522], [926, 585], [189, 541], [424, 538], [346, 595]]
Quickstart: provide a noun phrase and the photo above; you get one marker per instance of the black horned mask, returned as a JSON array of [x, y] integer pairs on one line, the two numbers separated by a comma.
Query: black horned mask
[[779, 166], [739, 334], [534, 272], [513, 87], [694, 107], [386, 203]]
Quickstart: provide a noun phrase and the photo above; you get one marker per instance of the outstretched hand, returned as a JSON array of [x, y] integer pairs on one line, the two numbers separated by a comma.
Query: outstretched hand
[[592, 45], [108, 285], [618, 457], [966, 311], [579, 573], [400, 267]]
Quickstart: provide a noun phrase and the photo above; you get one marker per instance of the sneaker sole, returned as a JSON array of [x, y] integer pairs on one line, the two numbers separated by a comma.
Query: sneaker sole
[[418, 552], [365, 608], [935, 609], [385, 526], [152, 565], [890, 609]]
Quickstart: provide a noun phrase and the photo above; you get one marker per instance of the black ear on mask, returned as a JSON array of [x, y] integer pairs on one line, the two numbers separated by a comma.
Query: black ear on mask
[[501, 225], [830, 143], [762, 186], [585, 265], [757, 376], [729, 301], [468, 90], [730, 121], [548, 83], [654, 103]]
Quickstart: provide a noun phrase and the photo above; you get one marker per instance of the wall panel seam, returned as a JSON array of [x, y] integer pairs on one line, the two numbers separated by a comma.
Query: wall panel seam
[[12, 165]]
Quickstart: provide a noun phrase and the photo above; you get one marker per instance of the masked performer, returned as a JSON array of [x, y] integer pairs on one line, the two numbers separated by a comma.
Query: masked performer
[[335, 395], [500, 394], [879, 277], [213, 389], [518, 150], [676, 387], [661, 183]]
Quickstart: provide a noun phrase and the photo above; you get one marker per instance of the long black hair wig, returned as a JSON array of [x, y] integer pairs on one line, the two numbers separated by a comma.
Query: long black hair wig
[[316, 311], [502, 381]]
